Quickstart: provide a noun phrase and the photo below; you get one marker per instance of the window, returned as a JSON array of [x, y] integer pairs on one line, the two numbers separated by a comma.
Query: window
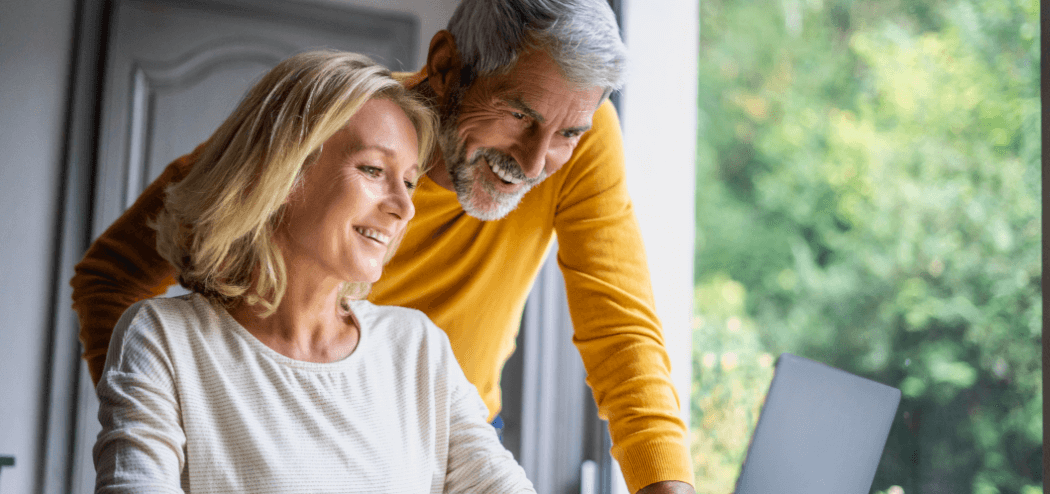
[[868, 195]]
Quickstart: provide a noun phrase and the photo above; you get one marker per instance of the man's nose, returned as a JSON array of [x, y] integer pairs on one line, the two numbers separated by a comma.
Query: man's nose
[[534, 153]]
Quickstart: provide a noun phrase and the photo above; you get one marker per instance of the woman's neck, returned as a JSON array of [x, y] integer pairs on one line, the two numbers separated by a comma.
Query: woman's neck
[[309, 323]]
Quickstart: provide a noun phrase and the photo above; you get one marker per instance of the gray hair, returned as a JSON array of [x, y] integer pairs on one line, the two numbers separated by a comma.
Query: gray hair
[[580, 35]]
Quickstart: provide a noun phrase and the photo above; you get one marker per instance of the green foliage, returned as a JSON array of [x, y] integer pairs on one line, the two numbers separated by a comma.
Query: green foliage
[[731, 372], [868, 195]]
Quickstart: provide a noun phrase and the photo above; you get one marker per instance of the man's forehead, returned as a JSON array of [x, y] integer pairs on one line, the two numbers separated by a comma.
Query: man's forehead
[[581, 103]]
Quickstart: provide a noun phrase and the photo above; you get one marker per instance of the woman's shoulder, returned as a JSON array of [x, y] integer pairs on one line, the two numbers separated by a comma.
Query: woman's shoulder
[[157, 320], [191, 308], [155, 335], [402, 326]]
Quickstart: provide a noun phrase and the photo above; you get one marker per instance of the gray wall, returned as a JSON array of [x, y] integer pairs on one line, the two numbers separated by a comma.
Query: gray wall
[[35, 61], [433, 16]]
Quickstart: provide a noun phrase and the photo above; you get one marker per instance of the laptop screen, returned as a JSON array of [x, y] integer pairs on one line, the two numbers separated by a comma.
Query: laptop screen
[[821, 430]]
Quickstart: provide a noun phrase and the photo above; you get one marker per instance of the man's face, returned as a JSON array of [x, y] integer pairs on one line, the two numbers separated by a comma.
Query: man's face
[[510, 132]]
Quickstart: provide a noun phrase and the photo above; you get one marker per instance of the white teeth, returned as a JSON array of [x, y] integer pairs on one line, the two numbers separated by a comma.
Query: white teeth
[[372, 234], [504, 174]]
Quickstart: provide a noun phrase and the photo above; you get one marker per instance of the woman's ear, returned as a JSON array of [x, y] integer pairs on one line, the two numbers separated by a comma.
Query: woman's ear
[[443, 65]]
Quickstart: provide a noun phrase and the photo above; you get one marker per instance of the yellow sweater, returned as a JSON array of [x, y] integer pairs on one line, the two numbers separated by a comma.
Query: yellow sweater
[[472, 278]]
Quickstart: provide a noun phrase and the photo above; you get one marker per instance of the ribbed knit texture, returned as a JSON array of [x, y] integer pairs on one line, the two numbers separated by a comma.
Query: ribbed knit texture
[[190, 401]]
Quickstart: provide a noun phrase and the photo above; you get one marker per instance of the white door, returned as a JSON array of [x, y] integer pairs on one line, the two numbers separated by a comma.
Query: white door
[[174, 70]]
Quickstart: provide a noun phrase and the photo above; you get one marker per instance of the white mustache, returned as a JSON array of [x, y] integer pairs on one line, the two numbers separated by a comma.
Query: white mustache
[[505, 167]]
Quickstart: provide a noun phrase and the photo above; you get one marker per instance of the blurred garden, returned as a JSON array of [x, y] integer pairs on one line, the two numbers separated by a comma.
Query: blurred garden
[[868, 195]]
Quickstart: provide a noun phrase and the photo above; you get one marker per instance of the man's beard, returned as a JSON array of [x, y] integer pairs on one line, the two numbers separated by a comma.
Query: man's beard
[[476, 193]]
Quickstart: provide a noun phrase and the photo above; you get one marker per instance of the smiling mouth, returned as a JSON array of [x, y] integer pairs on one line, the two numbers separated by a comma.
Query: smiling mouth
[[373, 234], [503, 174]]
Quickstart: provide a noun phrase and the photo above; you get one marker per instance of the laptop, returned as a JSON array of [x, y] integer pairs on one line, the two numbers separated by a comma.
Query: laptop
[[821, 431]]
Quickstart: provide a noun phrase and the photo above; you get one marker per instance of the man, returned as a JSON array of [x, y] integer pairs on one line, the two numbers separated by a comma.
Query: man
[[529, 148]]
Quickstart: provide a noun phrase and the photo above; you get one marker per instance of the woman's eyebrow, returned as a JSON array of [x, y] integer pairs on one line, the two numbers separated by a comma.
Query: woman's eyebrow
[[370, 147]]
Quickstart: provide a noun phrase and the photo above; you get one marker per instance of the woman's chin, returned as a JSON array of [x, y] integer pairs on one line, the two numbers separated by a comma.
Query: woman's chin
[[368, 271]]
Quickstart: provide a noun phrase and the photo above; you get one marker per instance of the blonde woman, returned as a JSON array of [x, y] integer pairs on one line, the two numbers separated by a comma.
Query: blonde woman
[[274, 375]]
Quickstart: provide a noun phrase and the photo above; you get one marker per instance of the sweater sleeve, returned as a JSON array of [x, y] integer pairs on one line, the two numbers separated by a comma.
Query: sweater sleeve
[[616, 329], [122, 267], [477, 461], [141, 447]]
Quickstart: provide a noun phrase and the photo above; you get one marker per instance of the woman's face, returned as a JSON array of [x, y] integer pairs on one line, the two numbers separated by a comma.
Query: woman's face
[[356, 199]]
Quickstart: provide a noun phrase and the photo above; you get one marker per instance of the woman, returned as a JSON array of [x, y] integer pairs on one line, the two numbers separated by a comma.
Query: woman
[[273, 375]]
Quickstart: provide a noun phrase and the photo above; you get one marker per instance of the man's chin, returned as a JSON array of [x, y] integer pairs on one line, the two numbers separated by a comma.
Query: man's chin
[[480, 198], [487, 212], [484, 207]]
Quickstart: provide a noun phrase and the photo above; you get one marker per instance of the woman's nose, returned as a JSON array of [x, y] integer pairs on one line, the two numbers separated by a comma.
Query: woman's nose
[[399, 202]]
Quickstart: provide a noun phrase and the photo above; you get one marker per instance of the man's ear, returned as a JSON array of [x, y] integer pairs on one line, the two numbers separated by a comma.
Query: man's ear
[[443, 65]]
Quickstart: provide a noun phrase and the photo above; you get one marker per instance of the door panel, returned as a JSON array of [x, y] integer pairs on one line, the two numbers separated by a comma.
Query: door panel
[[191, 97]]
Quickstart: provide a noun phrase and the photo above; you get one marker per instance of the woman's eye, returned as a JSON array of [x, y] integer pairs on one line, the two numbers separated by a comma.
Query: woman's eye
[[410, 185], [371, 171]]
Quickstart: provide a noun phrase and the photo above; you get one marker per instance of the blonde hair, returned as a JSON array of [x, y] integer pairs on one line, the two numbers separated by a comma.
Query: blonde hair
[[217, 224]]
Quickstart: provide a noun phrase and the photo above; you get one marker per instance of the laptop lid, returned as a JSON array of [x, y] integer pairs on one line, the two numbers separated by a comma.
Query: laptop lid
[[821, 430]]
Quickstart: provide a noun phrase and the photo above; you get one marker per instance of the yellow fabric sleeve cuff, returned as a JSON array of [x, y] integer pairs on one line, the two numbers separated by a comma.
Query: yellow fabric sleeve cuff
[[653, 462]]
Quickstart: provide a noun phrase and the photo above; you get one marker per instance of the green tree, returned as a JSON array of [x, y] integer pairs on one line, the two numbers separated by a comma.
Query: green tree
[[869, 186]]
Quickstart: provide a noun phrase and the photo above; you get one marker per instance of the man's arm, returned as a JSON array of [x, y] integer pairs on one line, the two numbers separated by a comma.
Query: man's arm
[[122, 267], [617, 332]]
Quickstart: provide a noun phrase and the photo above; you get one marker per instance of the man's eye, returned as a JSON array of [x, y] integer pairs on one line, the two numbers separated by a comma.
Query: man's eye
[[569, 134], [519, 116]]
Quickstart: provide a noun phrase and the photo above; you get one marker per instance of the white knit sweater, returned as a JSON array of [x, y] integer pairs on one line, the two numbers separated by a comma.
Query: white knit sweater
[[190, 401]]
